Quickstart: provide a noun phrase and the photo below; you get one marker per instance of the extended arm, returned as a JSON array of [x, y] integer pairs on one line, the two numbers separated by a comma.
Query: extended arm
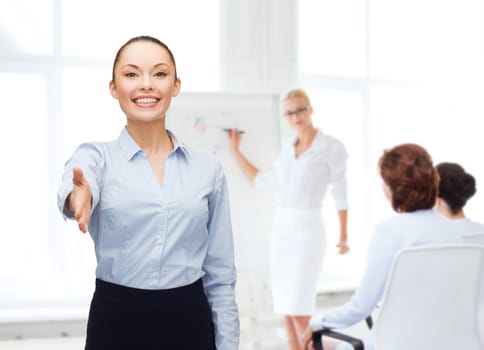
[[247, 167], [382, 249], [78, 193]]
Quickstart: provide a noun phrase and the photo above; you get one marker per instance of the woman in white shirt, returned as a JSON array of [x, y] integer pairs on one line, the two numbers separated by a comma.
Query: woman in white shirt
[[306, 167], [410, 182], [455, 189]]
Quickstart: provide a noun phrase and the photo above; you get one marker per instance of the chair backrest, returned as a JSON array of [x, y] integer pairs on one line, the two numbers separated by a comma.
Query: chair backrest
[[475, 238], [478, 238], [432, 300]]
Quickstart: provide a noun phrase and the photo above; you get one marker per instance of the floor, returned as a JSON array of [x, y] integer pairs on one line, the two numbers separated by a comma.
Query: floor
[[43, 344], [257, 332], [77, 343]]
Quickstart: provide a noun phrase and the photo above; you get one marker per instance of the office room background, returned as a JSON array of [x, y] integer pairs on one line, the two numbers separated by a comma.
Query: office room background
[[379, 72]]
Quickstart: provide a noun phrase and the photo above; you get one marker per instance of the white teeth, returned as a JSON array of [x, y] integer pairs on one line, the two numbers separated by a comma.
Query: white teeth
[[146, 100]]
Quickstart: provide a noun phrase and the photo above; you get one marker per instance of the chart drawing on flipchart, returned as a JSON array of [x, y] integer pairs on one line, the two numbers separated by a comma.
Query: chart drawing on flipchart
[[205, 130]]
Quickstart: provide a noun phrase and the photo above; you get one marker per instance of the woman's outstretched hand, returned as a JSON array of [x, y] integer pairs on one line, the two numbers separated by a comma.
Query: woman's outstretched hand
[[80, 199]]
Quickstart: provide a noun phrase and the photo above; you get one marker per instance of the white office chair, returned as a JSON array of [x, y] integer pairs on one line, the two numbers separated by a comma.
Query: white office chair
[[475, 238], [431, 301]]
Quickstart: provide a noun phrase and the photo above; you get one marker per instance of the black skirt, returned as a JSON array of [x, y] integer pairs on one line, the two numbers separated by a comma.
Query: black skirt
[[130, 318]]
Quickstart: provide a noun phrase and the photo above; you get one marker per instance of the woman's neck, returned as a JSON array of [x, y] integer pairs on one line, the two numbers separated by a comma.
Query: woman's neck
[[151, 137], [444, 209], [305, 137], [458, 215]]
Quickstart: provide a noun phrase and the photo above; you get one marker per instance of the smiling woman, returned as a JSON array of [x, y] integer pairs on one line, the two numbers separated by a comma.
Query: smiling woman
[[159, 258], [144, 89], [63, 72]]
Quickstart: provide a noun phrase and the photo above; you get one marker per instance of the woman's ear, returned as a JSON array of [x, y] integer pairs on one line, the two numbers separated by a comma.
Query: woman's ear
[[112, 89], [177, 87]]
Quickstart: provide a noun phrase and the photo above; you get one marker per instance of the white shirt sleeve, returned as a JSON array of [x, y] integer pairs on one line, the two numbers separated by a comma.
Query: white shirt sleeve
[[337, 168], [266, 179], [383, 247], [220, 274]]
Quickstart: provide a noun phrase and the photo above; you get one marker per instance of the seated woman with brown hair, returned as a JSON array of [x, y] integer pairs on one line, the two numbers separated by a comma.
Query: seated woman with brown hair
[[410, 183]]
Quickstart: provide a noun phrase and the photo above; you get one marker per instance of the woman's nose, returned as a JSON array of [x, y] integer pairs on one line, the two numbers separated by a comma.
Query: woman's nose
[[146, 83]]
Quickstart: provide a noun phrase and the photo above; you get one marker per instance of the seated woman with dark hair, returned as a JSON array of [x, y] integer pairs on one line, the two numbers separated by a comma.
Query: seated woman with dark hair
[[410, 183], [455, 189]]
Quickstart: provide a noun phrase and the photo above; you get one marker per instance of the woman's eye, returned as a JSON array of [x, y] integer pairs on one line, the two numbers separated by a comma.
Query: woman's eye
[[160, 74], [130, 75]]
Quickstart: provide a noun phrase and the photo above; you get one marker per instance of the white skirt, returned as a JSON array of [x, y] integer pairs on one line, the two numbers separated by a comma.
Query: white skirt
[[297, 252]]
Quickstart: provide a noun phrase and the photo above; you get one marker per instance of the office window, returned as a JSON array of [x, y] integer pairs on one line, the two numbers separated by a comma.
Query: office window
[[23, 140], [443, 119], [89, 114], [333, 69], [332, 38], [425, 40], [193, 38], [26, 27], [339, 114], [417, 69], [430, 56]]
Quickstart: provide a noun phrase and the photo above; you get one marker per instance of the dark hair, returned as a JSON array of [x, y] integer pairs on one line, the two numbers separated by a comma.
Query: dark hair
[[143, 38], [408, 172], [456, 185]]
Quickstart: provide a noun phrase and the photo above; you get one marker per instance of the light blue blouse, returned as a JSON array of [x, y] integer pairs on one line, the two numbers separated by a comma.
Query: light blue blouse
[[157, 237]]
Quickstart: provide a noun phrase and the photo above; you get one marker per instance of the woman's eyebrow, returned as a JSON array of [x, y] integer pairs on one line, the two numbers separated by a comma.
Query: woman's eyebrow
[[160, 64], [131, 65], [136, 67]]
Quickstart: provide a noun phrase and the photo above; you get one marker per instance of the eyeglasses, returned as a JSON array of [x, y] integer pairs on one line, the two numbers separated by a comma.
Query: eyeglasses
[[296, 112]]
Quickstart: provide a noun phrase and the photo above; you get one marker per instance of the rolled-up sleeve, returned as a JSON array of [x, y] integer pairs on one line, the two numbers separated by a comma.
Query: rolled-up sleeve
[[219, 267]]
